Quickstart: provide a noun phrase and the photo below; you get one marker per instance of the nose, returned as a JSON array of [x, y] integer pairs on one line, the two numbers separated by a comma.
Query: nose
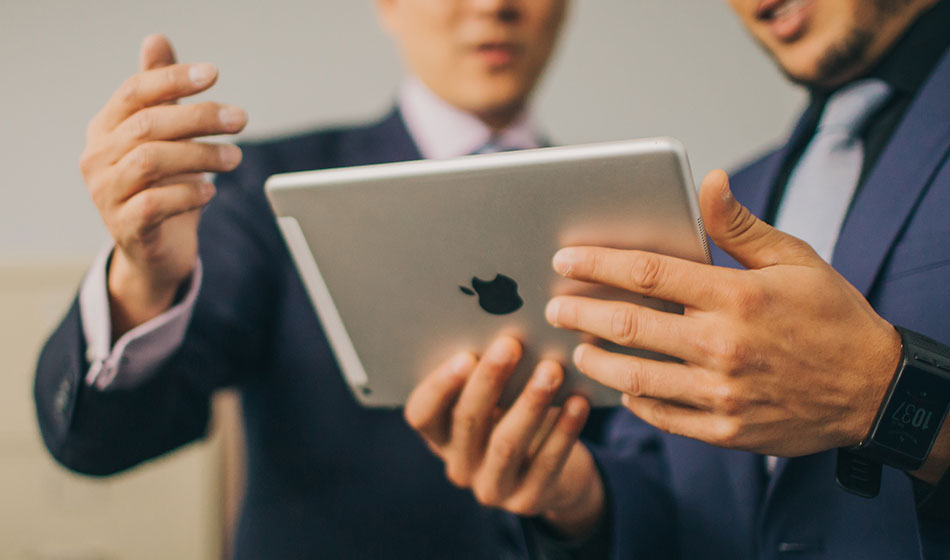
[[504, 10]]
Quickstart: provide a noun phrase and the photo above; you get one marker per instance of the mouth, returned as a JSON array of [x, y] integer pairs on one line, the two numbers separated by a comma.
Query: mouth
[[497, 53], [787, 19]]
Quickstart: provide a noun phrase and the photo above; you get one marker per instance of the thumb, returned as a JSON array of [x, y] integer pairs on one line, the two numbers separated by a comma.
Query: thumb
[[156, 52], [749, 240]]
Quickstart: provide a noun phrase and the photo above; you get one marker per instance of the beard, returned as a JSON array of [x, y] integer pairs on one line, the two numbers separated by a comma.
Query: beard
[[851, 51]]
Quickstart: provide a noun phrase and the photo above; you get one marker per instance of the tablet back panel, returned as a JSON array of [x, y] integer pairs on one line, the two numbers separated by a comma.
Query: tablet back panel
[[391, 254]]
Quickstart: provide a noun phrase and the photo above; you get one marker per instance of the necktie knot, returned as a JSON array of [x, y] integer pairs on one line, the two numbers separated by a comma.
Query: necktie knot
[[849, 108]]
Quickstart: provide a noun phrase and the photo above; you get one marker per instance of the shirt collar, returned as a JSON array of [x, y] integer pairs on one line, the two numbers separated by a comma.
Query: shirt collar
[[443, 131]]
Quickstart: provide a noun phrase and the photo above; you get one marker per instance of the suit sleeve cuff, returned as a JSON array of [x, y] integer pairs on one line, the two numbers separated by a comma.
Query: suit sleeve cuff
[[139, 352]]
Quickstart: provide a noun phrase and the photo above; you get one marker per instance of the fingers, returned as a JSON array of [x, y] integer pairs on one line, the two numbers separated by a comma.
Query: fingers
[[512, 437], [148, 209], [641, 377], [175, 122], [156, 52], [738, 232], [645, 273], [428, 407], [629, 325], [154, 161], [153, 87], [471, 418], [672, 418], [549, 460]]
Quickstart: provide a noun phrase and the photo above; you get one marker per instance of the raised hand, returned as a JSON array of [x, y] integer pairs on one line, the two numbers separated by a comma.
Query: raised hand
[[146, 176], [526, 459], [785, 358]]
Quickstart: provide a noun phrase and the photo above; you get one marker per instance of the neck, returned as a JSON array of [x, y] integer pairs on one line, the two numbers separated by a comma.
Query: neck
[[500, 119]]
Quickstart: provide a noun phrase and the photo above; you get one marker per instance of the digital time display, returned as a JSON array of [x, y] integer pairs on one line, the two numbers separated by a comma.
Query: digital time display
[[914, 413]]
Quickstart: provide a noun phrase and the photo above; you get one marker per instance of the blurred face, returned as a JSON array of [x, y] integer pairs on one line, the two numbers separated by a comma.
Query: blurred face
[[482, 56], [827, 42]]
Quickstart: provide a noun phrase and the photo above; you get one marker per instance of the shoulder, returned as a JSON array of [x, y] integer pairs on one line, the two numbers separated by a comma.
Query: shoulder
[[322, 148]]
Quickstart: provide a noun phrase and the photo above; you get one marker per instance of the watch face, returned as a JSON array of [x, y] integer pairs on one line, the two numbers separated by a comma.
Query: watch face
[[914, 413]]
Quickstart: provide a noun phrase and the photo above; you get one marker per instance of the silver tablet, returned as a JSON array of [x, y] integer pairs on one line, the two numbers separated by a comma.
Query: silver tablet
[[408, 263]]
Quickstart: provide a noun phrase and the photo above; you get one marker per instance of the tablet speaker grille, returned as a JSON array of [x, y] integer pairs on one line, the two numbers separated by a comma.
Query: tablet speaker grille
[[702, 235]]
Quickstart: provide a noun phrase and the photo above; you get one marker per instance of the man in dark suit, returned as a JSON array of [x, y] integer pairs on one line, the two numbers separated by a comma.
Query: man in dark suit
[[787, 359], [198, 294]]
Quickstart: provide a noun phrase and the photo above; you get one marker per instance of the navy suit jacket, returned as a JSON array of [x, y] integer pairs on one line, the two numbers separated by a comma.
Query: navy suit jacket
[[327, 478], [675, 497]]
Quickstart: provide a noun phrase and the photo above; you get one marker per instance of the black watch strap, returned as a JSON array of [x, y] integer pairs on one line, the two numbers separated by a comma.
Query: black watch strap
[[909, 419]]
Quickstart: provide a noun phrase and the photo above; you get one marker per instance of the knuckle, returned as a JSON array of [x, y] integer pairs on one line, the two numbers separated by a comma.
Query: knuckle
[[456, 474], [632, 379], [624, 325], [595, 264], [487, 493], [86, 162], [503, 448], [726, 432], [144, 162], [129, 90], [142, 125], [741, 224], [463, 421], [414, 418], [728, 400], [730, 355], [660, 418], [749, 300], [547, 463], [148, 210], [524, 504], [646, 271]]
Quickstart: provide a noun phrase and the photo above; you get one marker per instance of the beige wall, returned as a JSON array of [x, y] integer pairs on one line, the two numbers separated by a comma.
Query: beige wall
[[168, 509]]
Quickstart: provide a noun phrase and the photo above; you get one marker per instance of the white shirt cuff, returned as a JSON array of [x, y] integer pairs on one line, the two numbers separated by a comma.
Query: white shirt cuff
[[140, 351]]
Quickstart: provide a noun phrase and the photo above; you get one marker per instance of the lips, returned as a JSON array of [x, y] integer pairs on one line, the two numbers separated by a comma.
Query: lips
[[787, 19], [497, 53]]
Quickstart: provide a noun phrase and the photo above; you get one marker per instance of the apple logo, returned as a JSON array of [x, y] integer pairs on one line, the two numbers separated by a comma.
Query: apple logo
[[498, 297]]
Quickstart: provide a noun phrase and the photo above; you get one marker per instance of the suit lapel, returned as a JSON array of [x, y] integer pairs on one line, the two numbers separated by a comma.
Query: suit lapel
[[891, 192], [392, 139], [895, 186]]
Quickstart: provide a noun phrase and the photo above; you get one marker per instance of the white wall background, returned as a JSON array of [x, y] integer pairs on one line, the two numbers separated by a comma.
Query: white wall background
[[626, 68]]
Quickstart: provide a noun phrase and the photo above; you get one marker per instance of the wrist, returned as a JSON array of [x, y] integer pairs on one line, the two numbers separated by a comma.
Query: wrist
[[886, 360], [138, 294]]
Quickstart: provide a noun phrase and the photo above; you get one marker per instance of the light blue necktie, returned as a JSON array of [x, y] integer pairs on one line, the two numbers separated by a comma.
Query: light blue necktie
[[821, 186]]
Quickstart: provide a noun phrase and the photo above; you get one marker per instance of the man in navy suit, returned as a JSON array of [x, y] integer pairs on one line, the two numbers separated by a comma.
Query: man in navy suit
[[783, 359], [198, 293]]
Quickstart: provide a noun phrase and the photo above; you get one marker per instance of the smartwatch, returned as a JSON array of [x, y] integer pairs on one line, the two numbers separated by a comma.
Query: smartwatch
[[909, 420]]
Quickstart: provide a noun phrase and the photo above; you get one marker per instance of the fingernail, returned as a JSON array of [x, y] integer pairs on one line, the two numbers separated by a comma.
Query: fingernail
[[547, 378], [551, 311], [578, 355], [232, 117], [230, 155], [202, 74], [564, 261], [207, 190]]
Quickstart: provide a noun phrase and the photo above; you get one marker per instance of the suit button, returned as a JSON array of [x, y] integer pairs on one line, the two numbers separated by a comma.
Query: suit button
[[63, 395], [794, 547]]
